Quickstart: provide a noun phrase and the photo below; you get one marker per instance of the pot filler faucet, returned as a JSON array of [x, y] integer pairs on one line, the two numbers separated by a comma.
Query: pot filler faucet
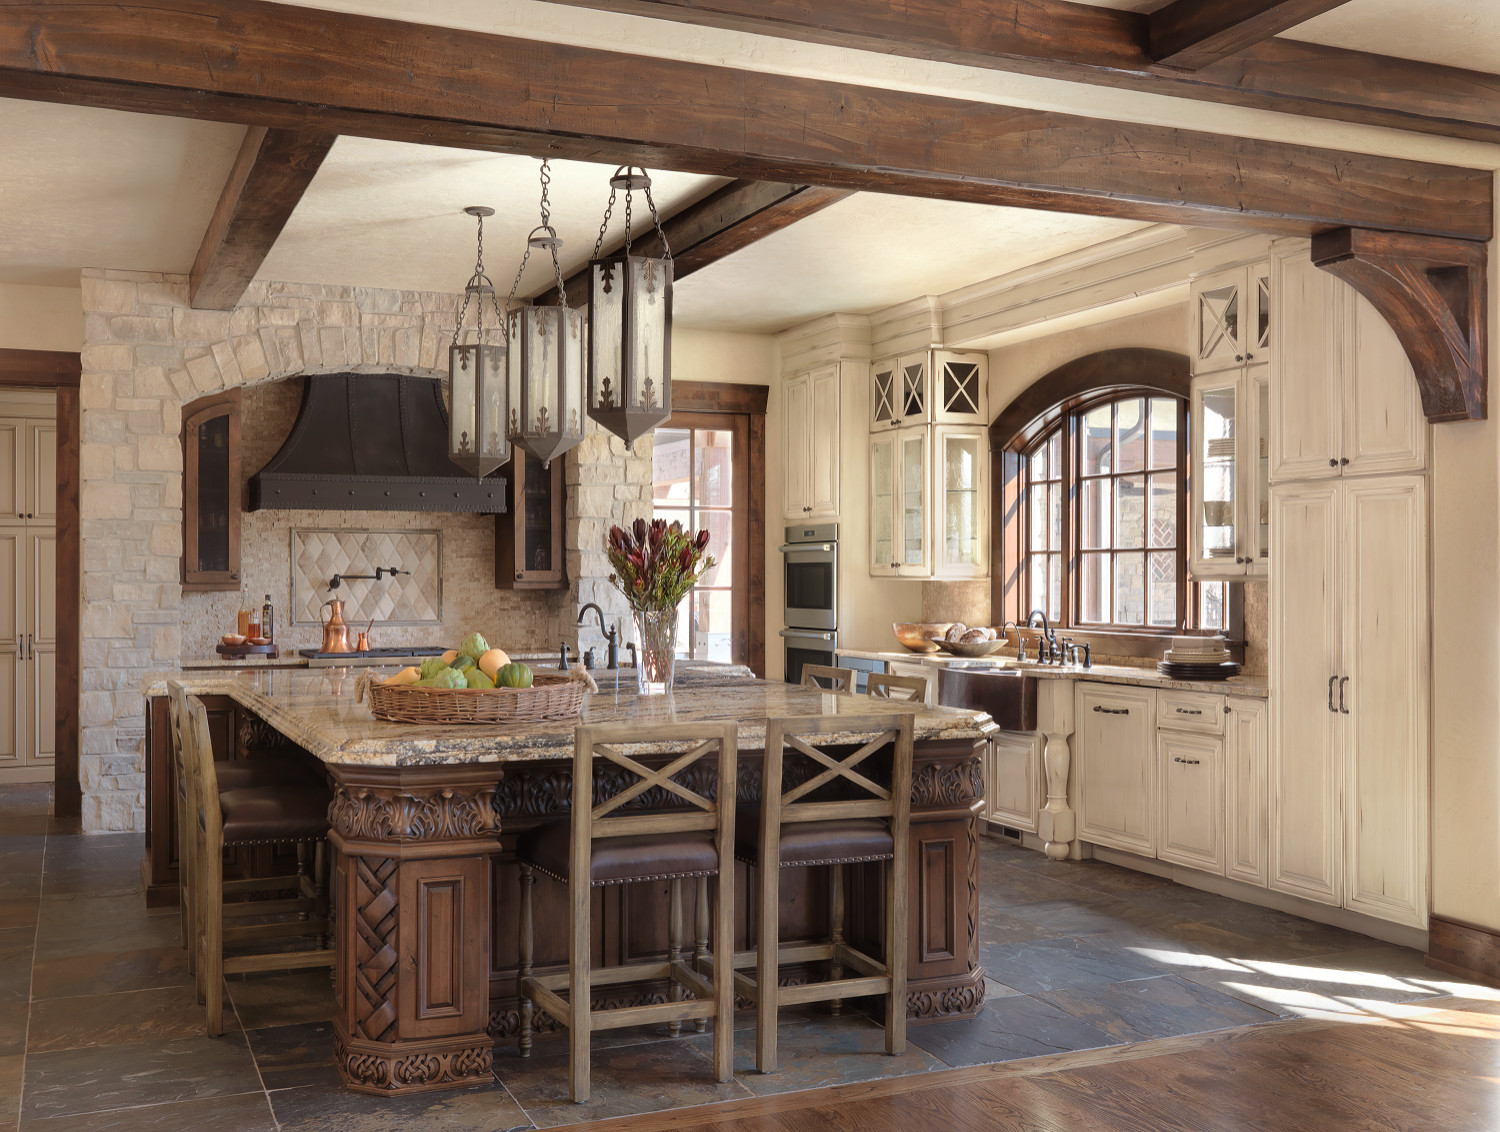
[[610, 635]]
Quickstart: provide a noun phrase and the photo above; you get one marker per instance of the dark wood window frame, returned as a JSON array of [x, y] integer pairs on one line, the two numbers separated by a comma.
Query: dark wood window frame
[[1052, 402], [742, 410]]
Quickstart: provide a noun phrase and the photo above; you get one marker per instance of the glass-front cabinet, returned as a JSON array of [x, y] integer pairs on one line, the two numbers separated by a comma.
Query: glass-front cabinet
[[929, 387], [900, 485], [211, 493], [529, 536], [1230, 510], [1231, 318], [929, 502], [961, 488]]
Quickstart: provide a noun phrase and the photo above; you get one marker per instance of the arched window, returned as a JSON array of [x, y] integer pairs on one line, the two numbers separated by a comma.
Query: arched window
[[1094, 500]]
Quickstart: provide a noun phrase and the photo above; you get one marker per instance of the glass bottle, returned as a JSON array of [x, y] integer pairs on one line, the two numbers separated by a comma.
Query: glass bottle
[[244, 621], [268, 620]]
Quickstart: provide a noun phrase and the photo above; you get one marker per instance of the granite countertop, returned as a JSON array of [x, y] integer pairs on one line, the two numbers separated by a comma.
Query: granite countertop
[[285, 660], [1098, 674], [316, 708]]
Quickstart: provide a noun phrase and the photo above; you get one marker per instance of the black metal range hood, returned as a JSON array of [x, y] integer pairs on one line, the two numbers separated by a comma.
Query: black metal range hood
[[371, 442]]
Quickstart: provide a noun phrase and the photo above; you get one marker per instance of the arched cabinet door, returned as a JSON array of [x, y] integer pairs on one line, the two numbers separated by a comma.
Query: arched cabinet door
[[211, 486]]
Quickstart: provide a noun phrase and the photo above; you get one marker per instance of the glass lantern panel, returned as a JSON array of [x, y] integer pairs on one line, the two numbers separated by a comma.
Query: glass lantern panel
[[491, 405], [571, 345], [650, 299], [606, 343], [463, 382], [539, 409]]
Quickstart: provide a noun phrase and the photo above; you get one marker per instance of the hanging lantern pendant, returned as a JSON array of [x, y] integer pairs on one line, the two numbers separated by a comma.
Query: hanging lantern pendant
[[545, 363], [477, 376], [630, 324]]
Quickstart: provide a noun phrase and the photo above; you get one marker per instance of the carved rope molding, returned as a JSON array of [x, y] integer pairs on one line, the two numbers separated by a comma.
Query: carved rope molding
[[373, 813], [1432, 291], [413, 1071]]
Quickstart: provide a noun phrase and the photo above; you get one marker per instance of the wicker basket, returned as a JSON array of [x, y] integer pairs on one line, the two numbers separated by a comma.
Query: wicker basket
[[551, 696]]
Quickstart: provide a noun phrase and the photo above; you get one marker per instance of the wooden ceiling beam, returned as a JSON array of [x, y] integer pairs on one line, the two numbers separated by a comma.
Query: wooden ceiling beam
[[1191, 34], [1101, 46], [276, 65], [269, 176], [732, 217]]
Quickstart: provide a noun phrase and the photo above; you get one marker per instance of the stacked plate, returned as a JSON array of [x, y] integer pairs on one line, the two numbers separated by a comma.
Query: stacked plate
[[1197, 658]]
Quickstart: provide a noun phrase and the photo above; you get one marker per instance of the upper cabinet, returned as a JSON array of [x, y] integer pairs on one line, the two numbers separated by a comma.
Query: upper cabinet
[[211, 486], [1232, 318], [28, 471], [529, 536], [929, 387], [929, 502], [811, 444], [1231, 502], [900, 493], [1344, 400]]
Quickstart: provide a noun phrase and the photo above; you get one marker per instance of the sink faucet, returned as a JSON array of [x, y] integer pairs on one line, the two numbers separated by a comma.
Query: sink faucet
[[611, 635], [1049, 635], [1020, 640]]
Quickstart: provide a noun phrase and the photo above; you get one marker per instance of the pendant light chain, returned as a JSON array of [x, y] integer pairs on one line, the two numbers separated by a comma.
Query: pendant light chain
[[478, 283], [666, 250]]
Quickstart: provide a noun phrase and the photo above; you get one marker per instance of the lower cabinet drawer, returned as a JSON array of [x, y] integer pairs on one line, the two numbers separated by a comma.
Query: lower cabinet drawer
[[1190, 711]]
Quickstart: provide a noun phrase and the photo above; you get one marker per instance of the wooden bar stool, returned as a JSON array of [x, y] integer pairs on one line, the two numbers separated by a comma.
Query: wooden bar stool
[[793, 833], [888, 686], [602, 847], [261, 769], [839, 679], [293, 812]]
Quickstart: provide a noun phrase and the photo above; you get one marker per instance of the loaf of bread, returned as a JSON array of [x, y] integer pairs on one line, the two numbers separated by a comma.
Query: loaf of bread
[[974, 637], [956, 633]]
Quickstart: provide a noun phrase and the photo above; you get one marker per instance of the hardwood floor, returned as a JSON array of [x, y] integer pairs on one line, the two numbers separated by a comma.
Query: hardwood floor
[[1428, 1067]]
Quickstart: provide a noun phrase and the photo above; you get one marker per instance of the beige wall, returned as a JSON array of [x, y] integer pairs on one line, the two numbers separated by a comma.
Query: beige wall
[[40, 318]]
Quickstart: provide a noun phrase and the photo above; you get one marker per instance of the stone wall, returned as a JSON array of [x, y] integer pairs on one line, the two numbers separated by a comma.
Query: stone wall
[[145, 354]]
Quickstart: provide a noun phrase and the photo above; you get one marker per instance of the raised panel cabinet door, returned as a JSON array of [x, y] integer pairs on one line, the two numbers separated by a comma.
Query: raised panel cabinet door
[[12, 473], [12, 647], [883, 549], [1218, 320], [41, 470], [797, 447], [824, 442], [1192, 800], [1116, 767], [1382, 698], [1308, 329], [1306, 857], [913, 502], [1385, 429], [1246, 738], [41, 645], [1011, 791], [961, 490]]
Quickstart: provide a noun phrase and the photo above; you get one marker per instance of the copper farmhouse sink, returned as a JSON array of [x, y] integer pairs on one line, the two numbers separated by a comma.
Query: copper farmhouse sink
[[1008, 694]]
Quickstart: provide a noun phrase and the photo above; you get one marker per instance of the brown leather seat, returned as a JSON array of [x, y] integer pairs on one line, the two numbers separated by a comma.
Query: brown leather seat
[[622, 860], [262, 770], [274, 814], [803, 844]]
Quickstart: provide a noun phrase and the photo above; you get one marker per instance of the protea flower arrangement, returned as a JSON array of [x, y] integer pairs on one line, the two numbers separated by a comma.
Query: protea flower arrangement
[[655, 565]]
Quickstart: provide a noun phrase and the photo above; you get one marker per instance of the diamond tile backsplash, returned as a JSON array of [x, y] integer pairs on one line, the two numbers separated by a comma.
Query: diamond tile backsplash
[[414, 599]]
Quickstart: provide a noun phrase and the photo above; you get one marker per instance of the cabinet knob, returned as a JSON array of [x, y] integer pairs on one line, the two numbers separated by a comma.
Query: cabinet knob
[[1239, 357], [1332, 463], [234, 577], [519, 575], [1343, 461]]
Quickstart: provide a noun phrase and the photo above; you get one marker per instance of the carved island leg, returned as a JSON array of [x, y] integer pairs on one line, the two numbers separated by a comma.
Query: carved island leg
[[412, 929], [1057, 824]]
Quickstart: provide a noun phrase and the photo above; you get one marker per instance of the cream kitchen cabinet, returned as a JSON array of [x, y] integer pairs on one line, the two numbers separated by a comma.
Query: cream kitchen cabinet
[[1116, 766], [28, 652], [1246, 824], [929, 502], [811, 444], [1344, 400], [28, 471], [1230, 522], [1231, 318], [929, 387], [960, 504], [1190, 769], [1014, 786], [1349, 699]]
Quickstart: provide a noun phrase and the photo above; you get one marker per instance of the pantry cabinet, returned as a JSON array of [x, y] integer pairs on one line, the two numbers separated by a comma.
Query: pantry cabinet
[[810, 470], [1349, 695], [1116, 766], [28, 471], [1344, 400]]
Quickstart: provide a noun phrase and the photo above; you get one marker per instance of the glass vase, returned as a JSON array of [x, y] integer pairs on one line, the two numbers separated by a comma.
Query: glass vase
[[656, 636]]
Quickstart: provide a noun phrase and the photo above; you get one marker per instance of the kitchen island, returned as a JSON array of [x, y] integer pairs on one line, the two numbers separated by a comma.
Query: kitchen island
[[425, 819]]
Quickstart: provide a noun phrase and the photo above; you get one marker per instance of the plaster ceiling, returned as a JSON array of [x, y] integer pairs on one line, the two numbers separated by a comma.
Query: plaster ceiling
[[99, 188]]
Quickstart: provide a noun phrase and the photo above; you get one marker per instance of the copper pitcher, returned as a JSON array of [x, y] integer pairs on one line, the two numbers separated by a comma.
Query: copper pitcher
[[335, 631]]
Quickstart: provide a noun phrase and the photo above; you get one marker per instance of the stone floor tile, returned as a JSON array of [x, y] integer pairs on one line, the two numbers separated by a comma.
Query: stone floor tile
[[1155, 1008], [97, 1078], [10, 1087], [826, 1051], [103, 972], [158, 1014], [333, 1108], [242, 1112], [1294, 988], [83, 923], [1009, 1028], [1006, 888], [15, 963], [96, 864], [20, 911], [625, 1080], [999, 927], [285, 998], [1051, 964], [290, 1057], [13, 1027]]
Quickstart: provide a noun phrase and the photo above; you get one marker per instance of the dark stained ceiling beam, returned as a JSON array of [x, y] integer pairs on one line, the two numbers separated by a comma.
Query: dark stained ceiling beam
[[301, 68], [732, 217], [1081, 43], [269, 176], [1191, 34]]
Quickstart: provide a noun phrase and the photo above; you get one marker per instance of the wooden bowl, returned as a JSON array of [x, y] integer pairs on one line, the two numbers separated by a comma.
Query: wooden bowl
[[233, 639], [919, 636]]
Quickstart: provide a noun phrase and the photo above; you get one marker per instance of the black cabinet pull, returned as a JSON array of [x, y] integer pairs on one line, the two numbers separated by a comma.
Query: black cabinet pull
[[1332, 463], [1189, 711], [1332, 680], [1343, 460], [1187, 762], [1112, 710], [1343, 683]]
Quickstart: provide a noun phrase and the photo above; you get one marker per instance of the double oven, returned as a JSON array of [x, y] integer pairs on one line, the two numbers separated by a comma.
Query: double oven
[[810, 557]]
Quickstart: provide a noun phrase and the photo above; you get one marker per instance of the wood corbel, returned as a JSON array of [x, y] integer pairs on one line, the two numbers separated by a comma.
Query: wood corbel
[[1432, 291]]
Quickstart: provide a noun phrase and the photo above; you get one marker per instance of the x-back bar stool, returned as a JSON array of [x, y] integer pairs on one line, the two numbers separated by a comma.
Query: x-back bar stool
[[839, 679], [601, 845], [887, 686], [796, 833]]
